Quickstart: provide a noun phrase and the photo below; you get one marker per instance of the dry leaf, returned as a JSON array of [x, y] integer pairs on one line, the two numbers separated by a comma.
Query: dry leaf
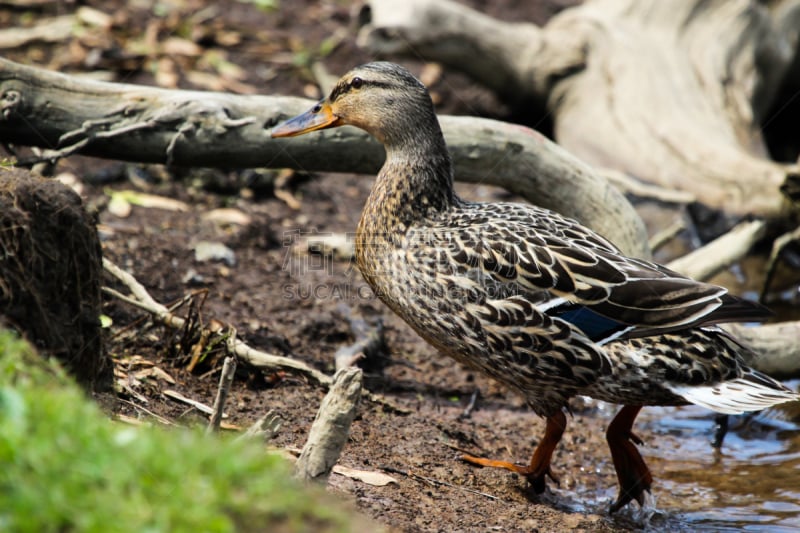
[[217, 60], [71, 180], [166, 73], [181, 47], [336, 245], [376, 479], [228, 215], [136, 360], [282, 191], [154, 372], [94, 17], [205, 251], [146, 200], [238, 86], [46, 29], [431, 74], [128, 419], [207, 81]]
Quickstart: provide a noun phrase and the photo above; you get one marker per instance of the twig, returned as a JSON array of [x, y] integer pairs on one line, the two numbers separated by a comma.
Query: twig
[[165, 421], [436, 482], [331, 427], [473, 401], [225, 380], [261, 359], [142, 299], [200, 406]]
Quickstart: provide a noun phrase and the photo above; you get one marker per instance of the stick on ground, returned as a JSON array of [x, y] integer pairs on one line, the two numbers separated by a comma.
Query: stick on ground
[[331, 427], [225, 380]]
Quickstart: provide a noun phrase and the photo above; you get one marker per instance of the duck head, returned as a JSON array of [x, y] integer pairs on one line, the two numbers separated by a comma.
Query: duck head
[[382, 98]]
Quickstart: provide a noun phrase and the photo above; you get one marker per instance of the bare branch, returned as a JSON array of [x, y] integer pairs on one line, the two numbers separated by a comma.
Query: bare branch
[[189, 128], [142, 299]]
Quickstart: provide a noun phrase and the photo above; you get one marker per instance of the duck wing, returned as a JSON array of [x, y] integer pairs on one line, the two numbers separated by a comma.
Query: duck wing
[[540, 250]]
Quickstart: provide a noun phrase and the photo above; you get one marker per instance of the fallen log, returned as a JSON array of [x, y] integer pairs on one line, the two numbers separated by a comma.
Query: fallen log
[[66, 115]]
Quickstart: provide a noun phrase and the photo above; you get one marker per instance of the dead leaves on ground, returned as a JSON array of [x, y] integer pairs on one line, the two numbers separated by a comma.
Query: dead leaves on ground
[[181, 42], [121, 202], [370, 477], [178, 44]]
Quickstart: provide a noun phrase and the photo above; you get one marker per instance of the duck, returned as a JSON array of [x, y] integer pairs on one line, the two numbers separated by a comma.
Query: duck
[[533, 299]]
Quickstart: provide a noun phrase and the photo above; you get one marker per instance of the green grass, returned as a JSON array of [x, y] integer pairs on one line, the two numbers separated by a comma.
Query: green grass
[[65, 467]]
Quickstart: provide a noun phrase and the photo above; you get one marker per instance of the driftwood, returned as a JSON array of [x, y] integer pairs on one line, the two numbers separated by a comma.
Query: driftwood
[[331, 427], [66, 115], [722, 252], [776, 347], [672, 93]]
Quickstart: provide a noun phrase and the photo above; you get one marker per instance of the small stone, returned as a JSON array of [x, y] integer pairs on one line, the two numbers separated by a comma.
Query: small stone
[[205, 251]]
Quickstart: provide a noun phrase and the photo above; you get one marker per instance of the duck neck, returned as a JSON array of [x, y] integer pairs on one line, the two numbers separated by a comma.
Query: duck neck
[[415, 182]]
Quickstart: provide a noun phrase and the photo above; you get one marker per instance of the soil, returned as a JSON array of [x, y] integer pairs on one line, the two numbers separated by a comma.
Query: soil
[[298, 305]]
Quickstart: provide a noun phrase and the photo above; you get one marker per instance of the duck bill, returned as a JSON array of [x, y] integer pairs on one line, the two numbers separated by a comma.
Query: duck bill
[[318, 117]]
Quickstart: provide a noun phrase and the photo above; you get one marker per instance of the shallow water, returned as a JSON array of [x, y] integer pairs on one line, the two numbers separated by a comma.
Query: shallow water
[[751, 484]]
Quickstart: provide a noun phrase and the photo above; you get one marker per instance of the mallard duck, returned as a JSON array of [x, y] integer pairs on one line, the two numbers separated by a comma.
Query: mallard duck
[[535, 300]]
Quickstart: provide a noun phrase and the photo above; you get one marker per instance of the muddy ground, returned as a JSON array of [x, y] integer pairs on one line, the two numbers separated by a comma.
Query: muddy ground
[[298, 305]]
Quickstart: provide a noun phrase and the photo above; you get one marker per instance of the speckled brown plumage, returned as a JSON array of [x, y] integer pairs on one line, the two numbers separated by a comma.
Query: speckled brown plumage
[[533, 299]]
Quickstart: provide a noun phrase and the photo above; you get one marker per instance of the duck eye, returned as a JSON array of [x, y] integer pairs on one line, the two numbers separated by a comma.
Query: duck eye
[[317, 108], [356, 83]]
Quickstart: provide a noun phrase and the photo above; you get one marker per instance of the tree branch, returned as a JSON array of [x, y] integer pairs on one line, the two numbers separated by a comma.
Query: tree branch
[[190, 128]]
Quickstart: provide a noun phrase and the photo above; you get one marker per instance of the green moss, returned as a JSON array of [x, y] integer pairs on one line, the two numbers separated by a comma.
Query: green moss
[[66, 467]]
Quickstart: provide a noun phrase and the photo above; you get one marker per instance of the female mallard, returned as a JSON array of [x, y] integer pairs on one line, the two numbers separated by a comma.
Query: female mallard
[[533, 299]]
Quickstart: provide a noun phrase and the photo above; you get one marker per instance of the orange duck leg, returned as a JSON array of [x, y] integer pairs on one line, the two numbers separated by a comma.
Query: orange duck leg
[[632, 473], [539, 466]]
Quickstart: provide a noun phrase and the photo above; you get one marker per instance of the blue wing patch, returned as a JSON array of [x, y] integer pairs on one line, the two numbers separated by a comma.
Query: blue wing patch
[[597, 327]]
